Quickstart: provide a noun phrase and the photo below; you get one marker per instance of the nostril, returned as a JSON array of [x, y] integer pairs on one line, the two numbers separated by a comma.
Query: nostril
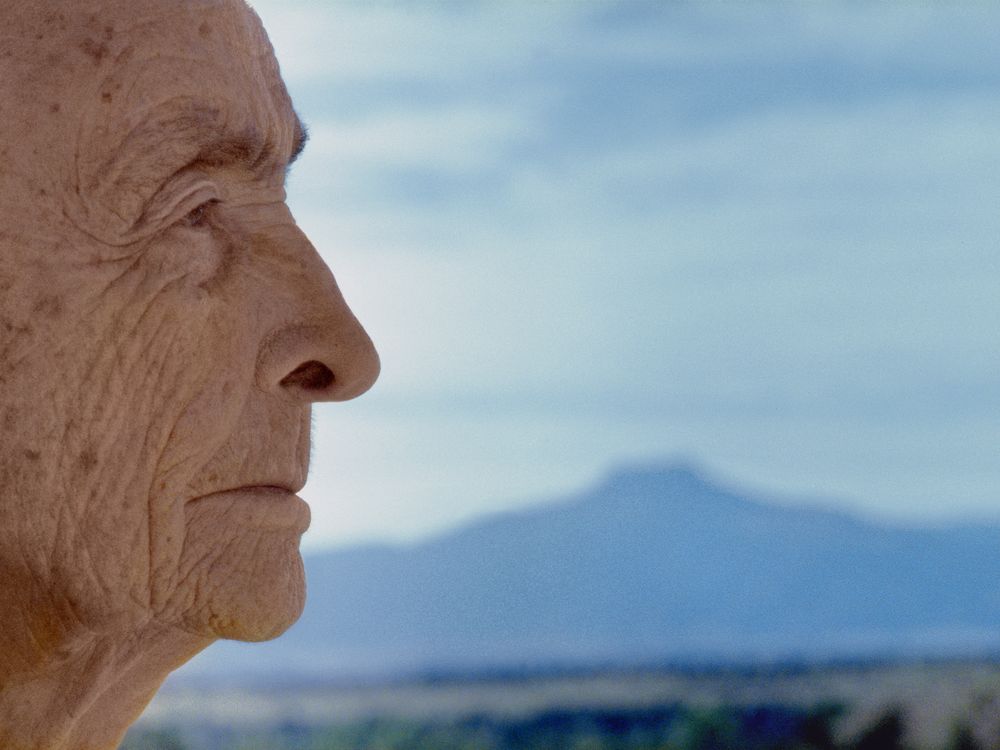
[[310, 363], [310, 376]]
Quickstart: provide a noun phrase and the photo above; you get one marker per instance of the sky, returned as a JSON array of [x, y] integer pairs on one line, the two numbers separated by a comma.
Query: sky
[[761, 237]]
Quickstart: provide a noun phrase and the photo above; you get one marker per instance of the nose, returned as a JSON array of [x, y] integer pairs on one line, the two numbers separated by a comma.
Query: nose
[[322, 353]]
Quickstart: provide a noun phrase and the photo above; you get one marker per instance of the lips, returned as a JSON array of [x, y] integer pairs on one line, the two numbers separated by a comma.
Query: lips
[[269, 506]]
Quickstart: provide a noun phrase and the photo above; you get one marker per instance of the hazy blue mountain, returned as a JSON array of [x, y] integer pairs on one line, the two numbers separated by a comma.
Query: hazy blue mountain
[[654, 564]]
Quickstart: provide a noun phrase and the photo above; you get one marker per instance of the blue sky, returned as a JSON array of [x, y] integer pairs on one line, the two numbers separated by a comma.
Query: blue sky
[[760, 236]]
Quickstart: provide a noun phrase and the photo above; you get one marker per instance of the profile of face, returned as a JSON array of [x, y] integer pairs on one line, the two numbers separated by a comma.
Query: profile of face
[[165, 327]]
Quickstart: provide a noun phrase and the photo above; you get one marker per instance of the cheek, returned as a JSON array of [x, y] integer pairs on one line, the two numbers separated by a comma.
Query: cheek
[[188, 259], [196, 254], [107, 414], [199, 345]]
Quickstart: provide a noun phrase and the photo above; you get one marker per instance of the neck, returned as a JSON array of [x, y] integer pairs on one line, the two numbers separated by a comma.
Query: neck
[[85, 696]]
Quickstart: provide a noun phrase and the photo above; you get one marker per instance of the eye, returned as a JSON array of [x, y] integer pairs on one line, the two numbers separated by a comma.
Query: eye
[[197, 217]]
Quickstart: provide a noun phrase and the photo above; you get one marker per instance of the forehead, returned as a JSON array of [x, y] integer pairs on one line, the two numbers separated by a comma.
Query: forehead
[[202, 85], [211, 51], [110, 33], [175, 70]]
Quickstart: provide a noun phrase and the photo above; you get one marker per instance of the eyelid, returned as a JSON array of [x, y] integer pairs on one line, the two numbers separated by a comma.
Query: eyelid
[[177, 199], [190, 201]]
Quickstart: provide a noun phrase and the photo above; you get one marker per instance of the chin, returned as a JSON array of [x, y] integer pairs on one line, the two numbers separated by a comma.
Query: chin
[[241, 580], [259, 601]]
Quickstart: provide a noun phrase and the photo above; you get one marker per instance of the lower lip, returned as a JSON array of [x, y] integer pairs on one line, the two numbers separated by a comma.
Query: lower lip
[[264, 507]]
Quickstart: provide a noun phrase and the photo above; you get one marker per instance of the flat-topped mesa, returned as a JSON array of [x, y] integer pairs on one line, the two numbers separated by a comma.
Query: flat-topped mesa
[[668, 480]]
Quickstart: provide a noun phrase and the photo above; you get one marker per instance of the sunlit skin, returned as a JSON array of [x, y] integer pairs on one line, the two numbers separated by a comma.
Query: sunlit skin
[[164, 330]]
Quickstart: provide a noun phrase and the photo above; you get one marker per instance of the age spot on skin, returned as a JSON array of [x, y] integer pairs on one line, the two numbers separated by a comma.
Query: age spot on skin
[[54, 107], [14, 328], [48, 305], [32, 455], [106, 97], [205, 29], [56, 19], [96, 52], [87, 460]]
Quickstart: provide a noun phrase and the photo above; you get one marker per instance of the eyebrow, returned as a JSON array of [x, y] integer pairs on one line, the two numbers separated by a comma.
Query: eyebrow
[[301, 139], [250, 149]]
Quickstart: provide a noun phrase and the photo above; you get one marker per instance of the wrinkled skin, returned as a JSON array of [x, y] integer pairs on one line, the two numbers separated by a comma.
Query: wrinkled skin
[[164, 330]]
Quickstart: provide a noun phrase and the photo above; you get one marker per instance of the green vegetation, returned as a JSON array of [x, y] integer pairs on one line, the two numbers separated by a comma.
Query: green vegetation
[[672, 727]]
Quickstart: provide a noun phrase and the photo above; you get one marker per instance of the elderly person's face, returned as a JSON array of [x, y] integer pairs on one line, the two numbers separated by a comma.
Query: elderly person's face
[[164, 325]]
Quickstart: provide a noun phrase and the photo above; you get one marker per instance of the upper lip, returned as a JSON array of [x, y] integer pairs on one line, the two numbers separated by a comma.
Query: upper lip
[[266, 485]]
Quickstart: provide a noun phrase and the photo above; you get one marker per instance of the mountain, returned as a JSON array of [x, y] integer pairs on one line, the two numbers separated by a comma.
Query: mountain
[[653, 564]]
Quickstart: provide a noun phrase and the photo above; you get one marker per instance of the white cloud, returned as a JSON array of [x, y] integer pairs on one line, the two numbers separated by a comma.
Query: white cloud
[[755, 290], [364, 41], [804, 262], [444, 139], [447, 41]]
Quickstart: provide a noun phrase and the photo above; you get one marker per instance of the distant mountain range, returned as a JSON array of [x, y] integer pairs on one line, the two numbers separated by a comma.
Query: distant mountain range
[[655, 564]]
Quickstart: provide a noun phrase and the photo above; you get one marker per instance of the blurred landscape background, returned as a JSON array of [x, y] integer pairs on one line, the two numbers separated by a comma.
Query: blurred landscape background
[[686, 436]]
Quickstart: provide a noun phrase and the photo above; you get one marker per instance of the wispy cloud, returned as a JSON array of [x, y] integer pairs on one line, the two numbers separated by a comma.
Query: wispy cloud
[[761, 234], [408, 41], [456, 139]]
